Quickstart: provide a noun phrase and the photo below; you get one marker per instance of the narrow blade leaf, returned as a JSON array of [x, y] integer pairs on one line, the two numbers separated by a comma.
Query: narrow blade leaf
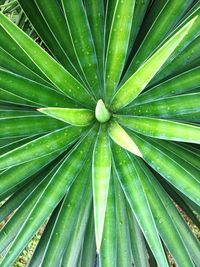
[[76, 117], [76, 202], [61, 78], [119, 136], [122, 228], [40, 147], [108, 251], [88, 253], [177, 85], [164, 223], [139, 80], [159, 22], [94, 7], [57, 187], [29, 125], [133, 189], [164, 164], [168, 107], [81, 36], [138, 246], [118, 44], [37, 93], [101, 169], [161, 128]]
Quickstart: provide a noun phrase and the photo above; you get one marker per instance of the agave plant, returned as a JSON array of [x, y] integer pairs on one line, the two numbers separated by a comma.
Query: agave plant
[[100, 133]]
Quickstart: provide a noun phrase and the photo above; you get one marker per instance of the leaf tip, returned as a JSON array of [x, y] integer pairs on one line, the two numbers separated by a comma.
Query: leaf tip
[[120, 136], [40, 110]]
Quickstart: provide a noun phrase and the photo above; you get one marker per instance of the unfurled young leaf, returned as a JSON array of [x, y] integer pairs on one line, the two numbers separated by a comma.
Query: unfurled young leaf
[[99, 133], [101, 112]]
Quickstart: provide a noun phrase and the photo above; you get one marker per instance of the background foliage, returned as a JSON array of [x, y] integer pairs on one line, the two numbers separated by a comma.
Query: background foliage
[[160, 116]]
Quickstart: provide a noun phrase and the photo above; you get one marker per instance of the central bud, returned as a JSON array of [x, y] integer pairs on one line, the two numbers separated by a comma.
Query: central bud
[[101, 112]]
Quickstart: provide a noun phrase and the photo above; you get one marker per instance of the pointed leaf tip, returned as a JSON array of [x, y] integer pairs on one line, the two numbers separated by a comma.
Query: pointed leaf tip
[[119, 136], [141, 78], [101, 178], [76, 117]]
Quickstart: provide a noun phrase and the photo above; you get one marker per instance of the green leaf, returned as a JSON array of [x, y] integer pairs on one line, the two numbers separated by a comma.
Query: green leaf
[[138, 247], [189, 117], [184, 61], [164, 223], [76, 117], [73, 251], [133, 189], [139, 80], [51, 196], [160, 128], [14, 178], [88, 253], [50, 37], [35, 92], [153, 12], [101, 112], [167, 107], [188, 49], [21, 194], [10, 99], [122, 230], [75, 207], [9, 141], [62, 79], [108, 250], [94, 7], [71, 60], [176, 174], [101, 169], [176, 85], [7, 114], [15, 143], [117, 45], [109, 7], [190, 241], [82, 41], [28, 125], [10, 63], [58, 27], [184, 153], [195, 207], [186, 158], [119, 136], [14, 225], [191, 11], [138, 17], [163, 23], [39, 147], [180, 200], [12, 48], [40, 250]]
